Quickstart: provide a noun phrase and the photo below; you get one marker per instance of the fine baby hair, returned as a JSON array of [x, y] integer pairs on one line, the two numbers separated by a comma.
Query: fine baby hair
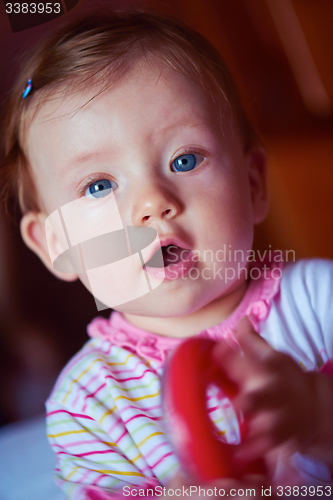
[[97, 51]]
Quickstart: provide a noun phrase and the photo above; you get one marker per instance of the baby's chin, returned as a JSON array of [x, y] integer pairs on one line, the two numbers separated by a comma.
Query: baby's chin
[[167, 299], [159, 305], [156, 307], [152, 310], [154, 304]]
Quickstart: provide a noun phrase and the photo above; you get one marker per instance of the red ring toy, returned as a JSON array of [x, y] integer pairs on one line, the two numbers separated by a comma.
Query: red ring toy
[[190, 370]]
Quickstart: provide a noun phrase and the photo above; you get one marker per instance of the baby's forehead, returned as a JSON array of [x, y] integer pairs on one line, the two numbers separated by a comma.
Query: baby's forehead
[[145, 94], [147, 85]]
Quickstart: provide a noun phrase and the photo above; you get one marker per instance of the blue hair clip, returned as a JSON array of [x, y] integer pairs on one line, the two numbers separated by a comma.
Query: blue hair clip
[[27, 88]]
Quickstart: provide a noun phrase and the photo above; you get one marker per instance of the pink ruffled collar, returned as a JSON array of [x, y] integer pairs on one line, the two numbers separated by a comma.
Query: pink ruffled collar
[[255, 304]]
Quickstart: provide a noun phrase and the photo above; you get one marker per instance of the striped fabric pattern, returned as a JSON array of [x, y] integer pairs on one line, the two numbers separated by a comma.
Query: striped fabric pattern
[[105, 421], [105, 418]]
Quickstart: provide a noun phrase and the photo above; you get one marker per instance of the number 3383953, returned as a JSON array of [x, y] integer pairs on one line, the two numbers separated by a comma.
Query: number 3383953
[[33, 8]]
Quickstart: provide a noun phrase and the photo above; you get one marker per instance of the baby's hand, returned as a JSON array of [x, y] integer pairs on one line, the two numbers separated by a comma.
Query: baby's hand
[[219, 488], [281, 403]]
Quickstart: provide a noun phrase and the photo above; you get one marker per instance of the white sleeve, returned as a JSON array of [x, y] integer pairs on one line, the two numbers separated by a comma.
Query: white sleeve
[[300, 322], [318, 277]]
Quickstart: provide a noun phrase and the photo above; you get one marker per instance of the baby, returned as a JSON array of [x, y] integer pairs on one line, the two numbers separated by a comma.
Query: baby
[[138, 172]]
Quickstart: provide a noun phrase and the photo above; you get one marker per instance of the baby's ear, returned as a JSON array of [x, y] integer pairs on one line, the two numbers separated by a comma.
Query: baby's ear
[[257, 171], [34, 236]]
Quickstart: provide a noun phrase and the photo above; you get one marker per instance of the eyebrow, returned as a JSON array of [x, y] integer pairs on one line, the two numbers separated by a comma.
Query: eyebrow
[[86, 157], [74, 163]]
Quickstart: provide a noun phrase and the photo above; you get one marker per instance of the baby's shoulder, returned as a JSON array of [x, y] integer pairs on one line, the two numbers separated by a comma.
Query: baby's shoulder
[[300, 320], [308, 273], [308, 282], [94, 367]]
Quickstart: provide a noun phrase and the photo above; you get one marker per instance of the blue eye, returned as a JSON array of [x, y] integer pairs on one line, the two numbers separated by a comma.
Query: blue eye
[[184, 163], [99, 189]]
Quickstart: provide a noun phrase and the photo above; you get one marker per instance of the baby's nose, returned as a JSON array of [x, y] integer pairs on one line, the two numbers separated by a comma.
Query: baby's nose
[[155, 202]]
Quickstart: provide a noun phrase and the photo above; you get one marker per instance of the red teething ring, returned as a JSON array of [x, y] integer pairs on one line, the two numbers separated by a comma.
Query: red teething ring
[[190, 371]]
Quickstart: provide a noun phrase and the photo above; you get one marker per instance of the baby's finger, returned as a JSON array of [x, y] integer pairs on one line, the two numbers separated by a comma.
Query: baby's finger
[[252, 345], [240, 369], [264, 397], [255, 449], [231, 360], [247, 360], [264, 432]]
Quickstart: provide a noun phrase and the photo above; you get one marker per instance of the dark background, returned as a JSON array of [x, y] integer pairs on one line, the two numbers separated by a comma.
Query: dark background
[[281, 53]]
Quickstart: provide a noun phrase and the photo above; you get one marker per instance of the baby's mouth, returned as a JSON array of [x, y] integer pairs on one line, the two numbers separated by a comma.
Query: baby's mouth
[[172, 254]]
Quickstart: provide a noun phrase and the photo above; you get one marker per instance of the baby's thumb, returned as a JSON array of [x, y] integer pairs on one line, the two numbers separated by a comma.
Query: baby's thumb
[[251, 343]]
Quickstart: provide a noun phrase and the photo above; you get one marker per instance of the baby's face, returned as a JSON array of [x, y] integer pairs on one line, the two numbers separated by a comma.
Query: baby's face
[[148, 152]]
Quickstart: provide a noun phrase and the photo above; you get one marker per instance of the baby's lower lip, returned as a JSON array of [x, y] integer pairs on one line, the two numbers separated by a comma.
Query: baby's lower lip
[[173, 271]]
